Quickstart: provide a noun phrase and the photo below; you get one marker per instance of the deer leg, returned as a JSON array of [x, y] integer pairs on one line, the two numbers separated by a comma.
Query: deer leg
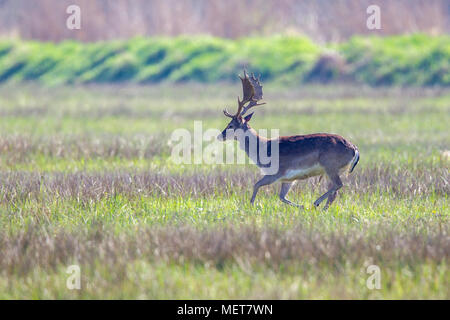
[[322, 197], [263, 182], [285, 187], [330, 200], [336, 184]]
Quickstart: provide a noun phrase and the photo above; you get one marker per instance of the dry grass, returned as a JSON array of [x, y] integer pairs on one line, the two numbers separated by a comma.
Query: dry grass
[[85, 186], [305, 246], [19, 148], [321, 20]]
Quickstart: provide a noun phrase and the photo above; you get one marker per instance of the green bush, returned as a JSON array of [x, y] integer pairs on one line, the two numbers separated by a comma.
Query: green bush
[[397, 60], [400, 60]]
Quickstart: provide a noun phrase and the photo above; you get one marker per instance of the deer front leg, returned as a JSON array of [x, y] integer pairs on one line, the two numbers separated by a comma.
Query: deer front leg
[[269, 179], [285, 187]]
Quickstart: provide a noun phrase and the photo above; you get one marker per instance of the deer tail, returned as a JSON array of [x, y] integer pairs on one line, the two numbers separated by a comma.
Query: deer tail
[[354, 160]]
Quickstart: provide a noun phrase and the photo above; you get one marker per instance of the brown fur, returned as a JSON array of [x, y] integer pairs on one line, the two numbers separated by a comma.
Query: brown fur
[[300, 157]]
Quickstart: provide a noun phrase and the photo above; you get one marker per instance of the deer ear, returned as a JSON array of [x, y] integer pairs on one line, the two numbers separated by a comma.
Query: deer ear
[[248, 117]]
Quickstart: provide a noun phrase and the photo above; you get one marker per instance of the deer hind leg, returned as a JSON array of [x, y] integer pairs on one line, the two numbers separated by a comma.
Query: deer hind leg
[[330, 200], [285, 187], [330, 195], [263, 182]]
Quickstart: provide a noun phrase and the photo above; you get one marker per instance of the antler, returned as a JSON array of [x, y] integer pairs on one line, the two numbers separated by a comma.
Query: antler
[[252, 93]]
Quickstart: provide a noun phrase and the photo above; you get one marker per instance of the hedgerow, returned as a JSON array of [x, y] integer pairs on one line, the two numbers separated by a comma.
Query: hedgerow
[[397, 60]]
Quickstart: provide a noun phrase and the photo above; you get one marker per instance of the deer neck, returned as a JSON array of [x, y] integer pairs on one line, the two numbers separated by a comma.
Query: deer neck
[[251, 144]]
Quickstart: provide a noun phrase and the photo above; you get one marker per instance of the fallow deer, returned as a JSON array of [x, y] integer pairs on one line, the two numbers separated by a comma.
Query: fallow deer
[[300, 157]]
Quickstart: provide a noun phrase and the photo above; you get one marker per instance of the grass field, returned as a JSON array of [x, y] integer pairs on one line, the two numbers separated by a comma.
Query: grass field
[[86, 178]]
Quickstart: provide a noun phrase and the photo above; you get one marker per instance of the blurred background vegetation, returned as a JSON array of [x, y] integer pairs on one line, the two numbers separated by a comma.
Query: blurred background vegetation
[[210, 41], [396, 60], [321, 20]]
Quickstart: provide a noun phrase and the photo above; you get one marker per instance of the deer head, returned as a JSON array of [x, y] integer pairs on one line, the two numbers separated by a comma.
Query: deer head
[[252, 93]]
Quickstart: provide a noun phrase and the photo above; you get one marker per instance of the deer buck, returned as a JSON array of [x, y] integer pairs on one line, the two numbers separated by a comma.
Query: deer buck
[[300, 157]]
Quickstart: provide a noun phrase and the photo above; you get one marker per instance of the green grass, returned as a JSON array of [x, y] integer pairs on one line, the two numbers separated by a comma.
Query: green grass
[[86, 178], [186, 281], [119, 212]]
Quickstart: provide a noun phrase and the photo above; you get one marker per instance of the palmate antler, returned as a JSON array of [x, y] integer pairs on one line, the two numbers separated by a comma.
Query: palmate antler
[[252, 93]]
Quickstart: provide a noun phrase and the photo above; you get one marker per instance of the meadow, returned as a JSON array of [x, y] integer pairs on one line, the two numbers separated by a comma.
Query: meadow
[[86, 178]]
